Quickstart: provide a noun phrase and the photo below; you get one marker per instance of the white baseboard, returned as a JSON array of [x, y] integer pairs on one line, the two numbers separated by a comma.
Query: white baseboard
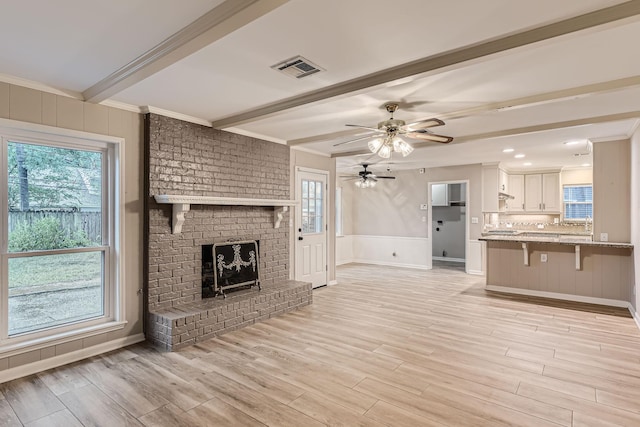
[[345, 261], [635, 315], [332, 283], [64, 359], [476, 272], [564, 297], [392, 264], [442, 258]]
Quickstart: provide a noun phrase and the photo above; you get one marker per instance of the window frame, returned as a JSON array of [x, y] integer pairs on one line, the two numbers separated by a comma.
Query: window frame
[[112, 225], [564, 203]]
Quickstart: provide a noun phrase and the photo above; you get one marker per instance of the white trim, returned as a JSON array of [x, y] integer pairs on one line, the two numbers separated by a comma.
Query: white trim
[[19, 81], [16, 128], [476, 272], [250, 134], [333, 282], [122, 106], [391, 264], [309, 150], [172, 114], [346, 261], [440, 258], [64, 359], [555, 295], [38, 343], [368, 236], [228, 201], [635, 315]]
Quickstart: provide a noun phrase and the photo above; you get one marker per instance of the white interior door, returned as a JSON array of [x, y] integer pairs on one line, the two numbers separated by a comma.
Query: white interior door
[[311, 227]]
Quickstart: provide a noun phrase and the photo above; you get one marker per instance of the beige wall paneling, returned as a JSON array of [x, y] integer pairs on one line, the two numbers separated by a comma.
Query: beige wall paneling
[[605, 273], [24, 358], [635, 217], [68, 347], [69, 113], [49, 109], [4, 364], [96, 118], [63, 112], [612, 190], [5, 90], [25, 104]]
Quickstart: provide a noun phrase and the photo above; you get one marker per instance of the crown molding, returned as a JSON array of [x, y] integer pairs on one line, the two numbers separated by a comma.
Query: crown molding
[[220, 21], [172, 114], [255, 135], [18, 81], [122, 106], [310, 151]]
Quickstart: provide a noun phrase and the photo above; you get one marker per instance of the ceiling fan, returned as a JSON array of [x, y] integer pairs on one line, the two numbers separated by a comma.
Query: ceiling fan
[[386, 138], [366, 178]]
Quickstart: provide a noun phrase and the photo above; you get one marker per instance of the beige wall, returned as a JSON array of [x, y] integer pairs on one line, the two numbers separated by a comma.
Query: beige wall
[[612, 190], [576, 176], [635, 216], [28, 105], [305, 159], [392, 208]]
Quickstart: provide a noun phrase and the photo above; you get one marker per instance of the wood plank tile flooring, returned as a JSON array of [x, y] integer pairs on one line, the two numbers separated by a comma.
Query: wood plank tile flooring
[[387, 346]]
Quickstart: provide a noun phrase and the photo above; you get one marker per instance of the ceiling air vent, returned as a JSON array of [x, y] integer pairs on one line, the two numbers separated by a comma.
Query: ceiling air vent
[[297, 67]]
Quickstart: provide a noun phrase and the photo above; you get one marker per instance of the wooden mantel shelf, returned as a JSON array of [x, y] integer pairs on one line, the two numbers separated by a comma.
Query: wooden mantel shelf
[[182, 204]]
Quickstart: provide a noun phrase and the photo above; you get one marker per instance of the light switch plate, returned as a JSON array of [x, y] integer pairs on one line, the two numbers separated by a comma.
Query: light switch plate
[[604, 237], [424, 207], [474, 220], [543, 257]]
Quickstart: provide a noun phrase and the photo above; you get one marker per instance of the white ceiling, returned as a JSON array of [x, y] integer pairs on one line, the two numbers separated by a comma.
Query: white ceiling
[[533, 97]]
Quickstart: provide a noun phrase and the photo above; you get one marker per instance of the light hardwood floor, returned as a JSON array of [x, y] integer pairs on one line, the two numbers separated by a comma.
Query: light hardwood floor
[[386, 346]]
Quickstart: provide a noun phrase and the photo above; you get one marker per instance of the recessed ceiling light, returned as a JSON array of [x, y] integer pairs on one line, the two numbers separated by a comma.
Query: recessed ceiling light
[[527, 163], [584, 165], [519, 156], [508, 150]]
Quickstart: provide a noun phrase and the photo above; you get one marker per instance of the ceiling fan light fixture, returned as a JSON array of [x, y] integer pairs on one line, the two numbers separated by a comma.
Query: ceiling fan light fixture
[[385, 151], [402, 146], [375, 144]]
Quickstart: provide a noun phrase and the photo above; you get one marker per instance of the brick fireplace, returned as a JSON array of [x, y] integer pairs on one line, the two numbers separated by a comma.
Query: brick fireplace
[[192, 160]]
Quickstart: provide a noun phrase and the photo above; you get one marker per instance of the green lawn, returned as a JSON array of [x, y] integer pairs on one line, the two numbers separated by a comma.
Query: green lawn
[[63, 271]]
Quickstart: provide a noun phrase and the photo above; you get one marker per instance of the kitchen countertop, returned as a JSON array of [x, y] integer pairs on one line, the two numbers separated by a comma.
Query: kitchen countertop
[[566, 239]]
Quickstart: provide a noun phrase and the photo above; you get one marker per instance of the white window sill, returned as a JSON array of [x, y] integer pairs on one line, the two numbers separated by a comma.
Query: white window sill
[[25, 345]]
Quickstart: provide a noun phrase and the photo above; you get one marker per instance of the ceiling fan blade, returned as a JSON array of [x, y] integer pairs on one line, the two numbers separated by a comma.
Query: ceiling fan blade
[[423, 124], [385, 177], [429, 137], [367, 127], [354, 140]]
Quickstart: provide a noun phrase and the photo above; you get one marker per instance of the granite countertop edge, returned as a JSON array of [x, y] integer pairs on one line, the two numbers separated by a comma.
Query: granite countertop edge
[[554, 240]]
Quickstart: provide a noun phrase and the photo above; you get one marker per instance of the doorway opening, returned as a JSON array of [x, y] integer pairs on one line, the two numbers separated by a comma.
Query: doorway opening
[[449, 225]]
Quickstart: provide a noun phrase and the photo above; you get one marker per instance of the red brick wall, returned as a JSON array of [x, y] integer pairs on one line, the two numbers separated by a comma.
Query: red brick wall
[[189, 159]]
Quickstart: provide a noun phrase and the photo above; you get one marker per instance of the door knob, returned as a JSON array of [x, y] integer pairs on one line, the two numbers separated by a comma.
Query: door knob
[[300, 238]]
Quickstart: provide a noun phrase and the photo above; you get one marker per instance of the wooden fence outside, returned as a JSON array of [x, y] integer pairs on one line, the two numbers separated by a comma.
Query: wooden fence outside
[[89, 222]]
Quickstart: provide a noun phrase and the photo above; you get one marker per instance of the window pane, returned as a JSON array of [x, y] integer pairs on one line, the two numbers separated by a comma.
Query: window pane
[[305, 188], [54, 197], [578, 201], [52, 290]]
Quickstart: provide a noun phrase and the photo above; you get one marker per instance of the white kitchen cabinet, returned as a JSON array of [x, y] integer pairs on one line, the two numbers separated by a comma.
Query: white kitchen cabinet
[[503, 182], [439, 195], [542, 193], [516, 189]]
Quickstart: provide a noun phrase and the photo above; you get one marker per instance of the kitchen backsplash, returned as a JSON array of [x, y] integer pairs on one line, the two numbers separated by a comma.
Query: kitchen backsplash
[[542, 222]]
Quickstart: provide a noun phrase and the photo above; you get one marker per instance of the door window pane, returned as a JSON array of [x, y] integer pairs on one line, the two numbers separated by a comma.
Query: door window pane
[[312, 209]]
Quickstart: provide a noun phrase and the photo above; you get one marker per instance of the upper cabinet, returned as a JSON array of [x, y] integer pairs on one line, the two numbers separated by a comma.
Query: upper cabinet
[[439, 195], [542, 193], [516, 189], [491, 187], [503, 182]]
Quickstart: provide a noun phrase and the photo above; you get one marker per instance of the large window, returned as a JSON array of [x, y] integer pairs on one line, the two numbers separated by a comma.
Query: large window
[[58, 269], [578, 202]]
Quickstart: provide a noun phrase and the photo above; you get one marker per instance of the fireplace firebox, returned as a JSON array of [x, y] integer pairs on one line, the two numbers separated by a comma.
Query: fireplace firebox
[[229, 266]]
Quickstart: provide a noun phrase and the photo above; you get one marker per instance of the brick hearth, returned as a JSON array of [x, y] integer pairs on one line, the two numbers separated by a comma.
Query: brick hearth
[[189, 159]]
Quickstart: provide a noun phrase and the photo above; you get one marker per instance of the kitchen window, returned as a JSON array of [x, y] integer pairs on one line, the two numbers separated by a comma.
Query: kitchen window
[[578, 202], [60, 254]]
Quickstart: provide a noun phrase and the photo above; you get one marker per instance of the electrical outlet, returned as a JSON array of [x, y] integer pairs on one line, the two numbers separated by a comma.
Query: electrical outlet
[[424, 219], [604, 237], [474, 220], [543, 257]]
